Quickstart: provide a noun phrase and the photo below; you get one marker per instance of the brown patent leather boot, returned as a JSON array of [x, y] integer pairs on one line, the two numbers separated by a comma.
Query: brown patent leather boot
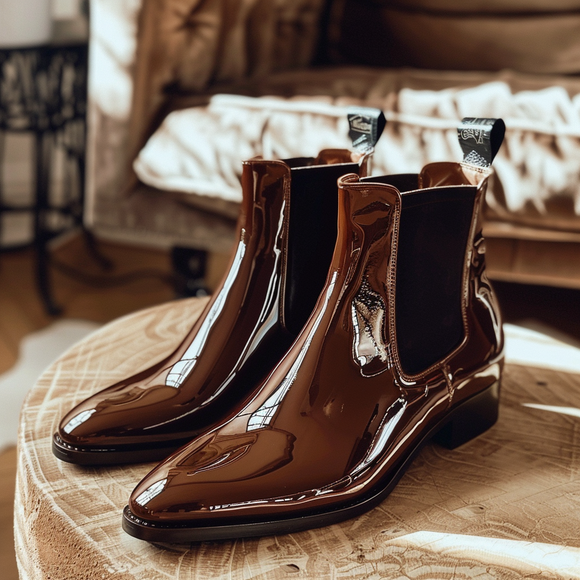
[[405, 344], [286, 235]]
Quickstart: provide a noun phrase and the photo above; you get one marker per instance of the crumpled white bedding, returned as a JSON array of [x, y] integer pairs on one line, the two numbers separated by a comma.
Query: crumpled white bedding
[[198, 151]]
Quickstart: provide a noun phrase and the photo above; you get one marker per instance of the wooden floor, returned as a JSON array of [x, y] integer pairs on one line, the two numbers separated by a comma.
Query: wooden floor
[[21, 313], [7, 476]]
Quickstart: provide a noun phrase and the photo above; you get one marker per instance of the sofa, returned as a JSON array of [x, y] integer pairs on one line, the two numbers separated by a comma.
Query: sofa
[[181, 91]]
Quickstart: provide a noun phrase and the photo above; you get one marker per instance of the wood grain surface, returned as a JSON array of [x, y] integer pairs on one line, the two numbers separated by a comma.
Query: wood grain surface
[[505, 505]]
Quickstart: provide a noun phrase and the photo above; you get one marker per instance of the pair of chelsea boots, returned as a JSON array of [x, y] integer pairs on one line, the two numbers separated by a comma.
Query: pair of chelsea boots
[[343, 337]]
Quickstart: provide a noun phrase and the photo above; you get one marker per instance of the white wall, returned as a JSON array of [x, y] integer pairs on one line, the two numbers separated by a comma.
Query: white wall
[[65, 8]]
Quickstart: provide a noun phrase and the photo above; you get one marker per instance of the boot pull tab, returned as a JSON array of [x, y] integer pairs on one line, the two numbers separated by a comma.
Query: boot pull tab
[[480, 140], [366, 126]]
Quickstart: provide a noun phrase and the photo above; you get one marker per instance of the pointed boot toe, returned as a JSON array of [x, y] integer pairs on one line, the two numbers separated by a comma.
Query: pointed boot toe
[[111, 426], [190, 489], [404, 345]]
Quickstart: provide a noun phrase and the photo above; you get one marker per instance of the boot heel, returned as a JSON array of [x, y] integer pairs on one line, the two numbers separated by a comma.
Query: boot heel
[[470, 419]]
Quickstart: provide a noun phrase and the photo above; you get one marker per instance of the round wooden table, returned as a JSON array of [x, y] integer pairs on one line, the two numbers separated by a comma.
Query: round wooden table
[[506, 505]]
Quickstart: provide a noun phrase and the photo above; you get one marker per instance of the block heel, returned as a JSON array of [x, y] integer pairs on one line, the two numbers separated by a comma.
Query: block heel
[[470, 419]]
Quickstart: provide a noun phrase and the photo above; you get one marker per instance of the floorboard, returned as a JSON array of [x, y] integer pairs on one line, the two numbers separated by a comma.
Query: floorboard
[[7, 475]]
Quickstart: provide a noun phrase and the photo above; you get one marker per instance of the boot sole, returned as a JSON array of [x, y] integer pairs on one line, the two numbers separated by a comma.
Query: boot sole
[[123, 454], [470, 419]]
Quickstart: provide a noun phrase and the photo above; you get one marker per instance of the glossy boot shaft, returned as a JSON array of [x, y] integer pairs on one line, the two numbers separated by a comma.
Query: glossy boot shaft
[[339, 419], [274, 278]]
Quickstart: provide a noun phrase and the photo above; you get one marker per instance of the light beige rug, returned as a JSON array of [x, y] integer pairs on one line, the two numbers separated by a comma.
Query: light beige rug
[[37, 351]]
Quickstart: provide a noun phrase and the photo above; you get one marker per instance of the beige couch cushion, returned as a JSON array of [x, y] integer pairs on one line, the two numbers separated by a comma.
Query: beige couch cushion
[[536, 36], [186, 46], [198, 151]]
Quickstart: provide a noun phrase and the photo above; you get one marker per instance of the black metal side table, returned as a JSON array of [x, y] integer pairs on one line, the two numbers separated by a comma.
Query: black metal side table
[[43, 90]]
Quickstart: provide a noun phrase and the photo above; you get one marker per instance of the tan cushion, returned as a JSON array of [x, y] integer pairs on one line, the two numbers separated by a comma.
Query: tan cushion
[[186, 46], [539, 36]]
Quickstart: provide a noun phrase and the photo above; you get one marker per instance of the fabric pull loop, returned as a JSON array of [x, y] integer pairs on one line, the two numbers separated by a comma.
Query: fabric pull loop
[[480, 140], [366, 126]]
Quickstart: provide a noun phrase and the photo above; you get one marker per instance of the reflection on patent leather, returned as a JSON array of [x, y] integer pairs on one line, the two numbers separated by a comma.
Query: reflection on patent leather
[[286, 234]]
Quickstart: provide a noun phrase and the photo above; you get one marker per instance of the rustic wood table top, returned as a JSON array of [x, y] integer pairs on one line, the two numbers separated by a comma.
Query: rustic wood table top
[[505, 505]]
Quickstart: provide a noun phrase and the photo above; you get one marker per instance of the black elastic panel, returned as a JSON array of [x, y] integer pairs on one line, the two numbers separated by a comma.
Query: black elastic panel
[[402, 181], [433, 235], [300, 161], [311, 238]]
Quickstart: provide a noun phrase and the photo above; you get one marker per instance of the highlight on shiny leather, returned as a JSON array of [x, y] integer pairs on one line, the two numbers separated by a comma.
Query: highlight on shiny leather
[[269, 290]]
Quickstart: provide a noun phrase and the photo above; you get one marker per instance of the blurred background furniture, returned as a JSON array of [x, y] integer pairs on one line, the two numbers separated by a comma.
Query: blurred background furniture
[[181, 91], [43, 92]]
